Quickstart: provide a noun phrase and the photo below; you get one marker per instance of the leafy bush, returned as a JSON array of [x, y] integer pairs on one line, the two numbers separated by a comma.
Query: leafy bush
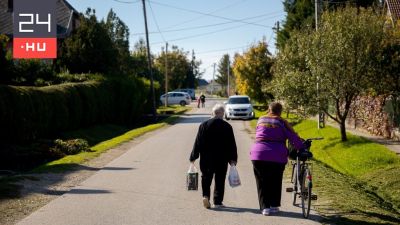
[[28, 71], [70, 147]]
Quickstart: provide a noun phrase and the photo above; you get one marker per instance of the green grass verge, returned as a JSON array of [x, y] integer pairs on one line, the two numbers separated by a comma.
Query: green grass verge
[[372, 164], [70, 161], [359, 184], [172, 109]]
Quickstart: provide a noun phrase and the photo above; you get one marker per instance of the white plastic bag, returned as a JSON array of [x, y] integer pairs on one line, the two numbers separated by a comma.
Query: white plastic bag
[[233, 177], [192, 178]]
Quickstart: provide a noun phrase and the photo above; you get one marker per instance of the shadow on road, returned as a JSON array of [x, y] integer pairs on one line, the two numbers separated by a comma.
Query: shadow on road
[[117, 168], [192, 119], [88, 191], [76, 191], [236, 210], [10, 186], [298, 215]]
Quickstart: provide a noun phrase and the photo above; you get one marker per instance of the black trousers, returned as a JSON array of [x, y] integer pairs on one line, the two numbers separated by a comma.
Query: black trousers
[[269, 182], [207, 175]]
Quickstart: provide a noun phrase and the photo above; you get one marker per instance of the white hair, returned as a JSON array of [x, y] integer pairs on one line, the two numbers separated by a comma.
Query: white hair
[[218, 110]]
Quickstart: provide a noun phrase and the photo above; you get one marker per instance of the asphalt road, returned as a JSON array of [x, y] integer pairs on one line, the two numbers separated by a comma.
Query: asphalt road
[[146, 185]]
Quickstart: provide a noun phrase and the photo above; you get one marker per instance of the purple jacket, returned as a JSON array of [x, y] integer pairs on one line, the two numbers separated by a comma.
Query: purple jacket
[[271, 136]]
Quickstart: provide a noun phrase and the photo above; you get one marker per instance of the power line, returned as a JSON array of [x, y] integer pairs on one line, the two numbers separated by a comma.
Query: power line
[[225, 49], [204, 34], [155, 21], [217, 10], [207, 14], [127, 2], [213, 25]]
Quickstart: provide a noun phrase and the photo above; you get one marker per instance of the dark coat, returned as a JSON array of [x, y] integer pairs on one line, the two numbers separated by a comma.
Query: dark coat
[[215, 144]]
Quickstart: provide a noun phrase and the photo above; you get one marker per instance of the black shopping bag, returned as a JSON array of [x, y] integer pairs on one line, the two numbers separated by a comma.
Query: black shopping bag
[[192, 178]]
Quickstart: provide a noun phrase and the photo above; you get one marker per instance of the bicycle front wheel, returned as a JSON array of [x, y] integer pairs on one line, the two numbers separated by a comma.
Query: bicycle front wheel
[[294, 182], [306, 188]]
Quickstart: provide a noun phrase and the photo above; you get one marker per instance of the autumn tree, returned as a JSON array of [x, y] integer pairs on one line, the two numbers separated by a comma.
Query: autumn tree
[[253, 72], [342, 57]]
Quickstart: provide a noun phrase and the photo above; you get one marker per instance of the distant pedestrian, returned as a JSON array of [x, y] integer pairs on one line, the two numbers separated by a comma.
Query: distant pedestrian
[[198, 102], [203, 100], [269, 156], [215, 145]]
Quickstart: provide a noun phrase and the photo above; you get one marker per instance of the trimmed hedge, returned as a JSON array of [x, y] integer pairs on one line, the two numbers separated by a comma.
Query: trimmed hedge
[[28, 113]]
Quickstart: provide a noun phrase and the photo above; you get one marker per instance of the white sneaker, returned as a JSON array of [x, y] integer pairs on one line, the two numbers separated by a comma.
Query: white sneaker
[[274, 210], [217, 206], [206, 203], [266, 212]]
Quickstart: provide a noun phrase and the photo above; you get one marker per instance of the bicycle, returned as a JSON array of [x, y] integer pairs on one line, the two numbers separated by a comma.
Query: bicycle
[[302, 176]]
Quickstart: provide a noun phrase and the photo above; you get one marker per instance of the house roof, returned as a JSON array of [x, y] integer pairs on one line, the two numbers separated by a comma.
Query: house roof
[[202, 82], [65, 13], [394, 9]]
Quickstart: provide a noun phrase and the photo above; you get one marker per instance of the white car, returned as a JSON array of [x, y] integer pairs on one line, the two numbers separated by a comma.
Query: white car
[[239, 107], [175, 98]]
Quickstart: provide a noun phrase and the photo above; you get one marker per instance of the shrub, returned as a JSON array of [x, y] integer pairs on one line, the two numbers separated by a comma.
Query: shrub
[[27, 113], [70, 147]]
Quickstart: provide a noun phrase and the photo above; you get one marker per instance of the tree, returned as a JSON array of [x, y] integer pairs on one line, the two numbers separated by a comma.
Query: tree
[[194, 72], [90, 48], [253, 72], [6, 66], [222, 72], [119, 34], [342, 57], [179, 68], [301, 14], [138, 59]]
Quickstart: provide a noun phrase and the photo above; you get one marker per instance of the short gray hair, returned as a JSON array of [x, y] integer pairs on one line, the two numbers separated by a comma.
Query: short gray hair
[[276, 108], [218, 110]]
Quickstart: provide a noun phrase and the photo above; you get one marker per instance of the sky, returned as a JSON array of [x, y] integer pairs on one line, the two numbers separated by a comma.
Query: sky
[[211, 28]]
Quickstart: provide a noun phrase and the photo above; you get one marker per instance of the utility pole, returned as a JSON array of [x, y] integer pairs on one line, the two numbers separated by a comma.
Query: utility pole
[[212, 82], [166, 74], [277, 27], [228, 76], [191, 83], [316, 14], [321, 115], [149, 62]]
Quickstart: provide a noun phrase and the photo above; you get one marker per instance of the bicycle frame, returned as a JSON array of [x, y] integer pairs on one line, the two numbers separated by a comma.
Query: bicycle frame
[[302, 183]]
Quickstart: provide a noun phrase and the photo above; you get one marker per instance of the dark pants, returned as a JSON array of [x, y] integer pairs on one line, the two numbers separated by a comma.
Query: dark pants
[[219, 182], [269, 182]]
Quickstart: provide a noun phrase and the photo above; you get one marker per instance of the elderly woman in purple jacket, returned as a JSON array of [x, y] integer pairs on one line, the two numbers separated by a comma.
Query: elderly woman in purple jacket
[[269, 156]]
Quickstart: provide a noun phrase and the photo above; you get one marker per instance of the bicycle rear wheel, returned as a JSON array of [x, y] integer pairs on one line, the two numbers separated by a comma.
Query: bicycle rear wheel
[[306, 188]]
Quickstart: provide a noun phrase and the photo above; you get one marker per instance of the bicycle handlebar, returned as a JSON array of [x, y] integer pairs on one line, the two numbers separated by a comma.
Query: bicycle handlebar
[[314, 139]]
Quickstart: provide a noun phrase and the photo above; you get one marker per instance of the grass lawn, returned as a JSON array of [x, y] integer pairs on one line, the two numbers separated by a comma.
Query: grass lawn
[[357, 182]]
